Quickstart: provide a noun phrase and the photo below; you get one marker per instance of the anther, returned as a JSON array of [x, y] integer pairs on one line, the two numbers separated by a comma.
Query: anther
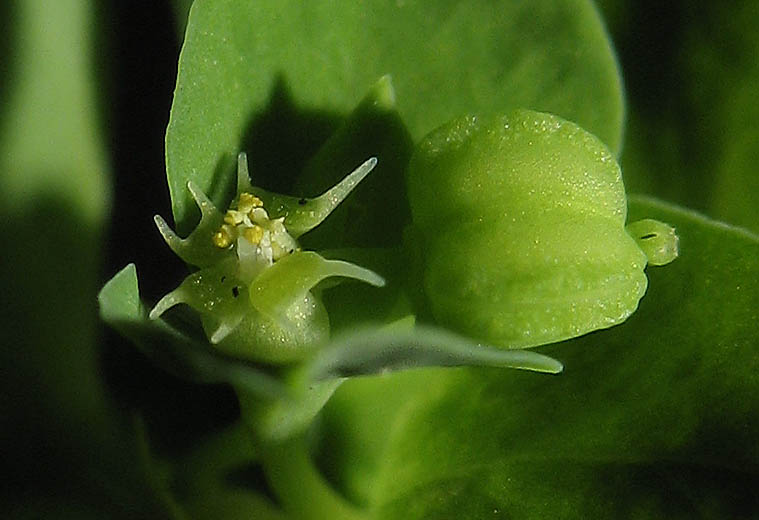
[[222, 238], [233, 217], [247, 202], [258, 215], [253, 234]]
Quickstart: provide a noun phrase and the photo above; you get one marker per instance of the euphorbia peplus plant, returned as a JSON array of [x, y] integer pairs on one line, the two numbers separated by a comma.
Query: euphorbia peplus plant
[[258, 295], [478, 236], [487, 238], [521, 243]]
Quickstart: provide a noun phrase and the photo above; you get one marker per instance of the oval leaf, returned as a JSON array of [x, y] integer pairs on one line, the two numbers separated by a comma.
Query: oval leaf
[[273, 78]]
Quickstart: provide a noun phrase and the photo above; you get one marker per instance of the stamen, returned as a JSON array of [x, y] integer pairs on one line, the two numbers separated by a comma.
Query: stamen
[[258, 215], [247, 202], [222, 238], [253, 234], [233, 217]]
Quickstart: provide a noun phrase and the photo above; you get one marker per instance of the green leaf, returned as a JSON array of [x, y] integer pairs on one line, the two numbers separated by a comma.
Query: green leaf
[[52, 208], [371, 351], [274, 78], [386, 350], [174, 350], [376, 211], [692, 103], [655, 418], [67, 452]]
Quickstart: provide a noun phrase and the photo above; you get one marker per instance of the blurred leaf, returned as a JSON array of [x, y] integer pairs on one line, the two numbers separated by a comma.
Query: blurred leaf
[[49, 137], [274, 78], [691, 74], [52, 205], [735, 196], [66, 449], [8, 49], [221, 478], [655, 418]]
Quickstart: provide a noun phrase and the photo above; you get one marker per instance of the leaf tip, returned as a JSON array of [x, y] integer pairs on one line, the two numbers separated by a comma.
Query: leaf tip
[[383, 93]]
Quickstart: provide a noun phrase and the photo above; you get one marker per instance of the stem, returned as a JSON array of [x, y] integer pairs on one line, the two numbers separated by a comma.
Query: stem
[[299, 485]]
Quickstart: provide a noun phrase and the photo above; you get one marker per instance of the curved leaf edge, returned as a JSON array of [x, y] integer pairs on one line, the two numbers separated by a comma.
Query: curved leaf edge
[[647, 200], [173, 350], [384, 349]]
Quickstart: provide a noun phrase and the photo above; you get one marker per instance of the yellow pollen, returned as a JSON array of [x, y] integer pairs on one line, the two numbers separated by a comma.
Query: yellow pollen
[[222, 238], [247, 202], [253, 234], [233, 217]]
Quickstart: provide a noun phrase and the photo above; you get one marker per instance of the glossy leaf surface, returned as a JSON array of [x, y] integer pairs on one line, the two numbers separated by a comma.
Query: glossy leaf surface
[[274, 78], [646, 416]]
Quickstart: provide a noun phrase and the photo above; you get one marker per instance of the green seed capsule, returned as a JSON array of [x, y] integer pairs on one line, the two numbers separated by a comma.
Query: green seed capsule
[[522, 223]]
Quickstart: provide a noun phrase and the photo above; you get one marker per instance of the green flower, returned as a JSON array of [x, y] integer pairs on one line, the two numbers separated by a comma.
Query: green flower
[[254, 287]]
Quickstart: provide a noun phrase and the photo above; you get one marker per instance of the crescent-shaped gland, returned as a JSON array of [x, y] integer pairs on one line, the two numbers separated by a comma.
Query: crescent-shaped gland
[[215, 293], [289, 280], [656, 239], [285, 319], [196, 249], [303, 214]]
